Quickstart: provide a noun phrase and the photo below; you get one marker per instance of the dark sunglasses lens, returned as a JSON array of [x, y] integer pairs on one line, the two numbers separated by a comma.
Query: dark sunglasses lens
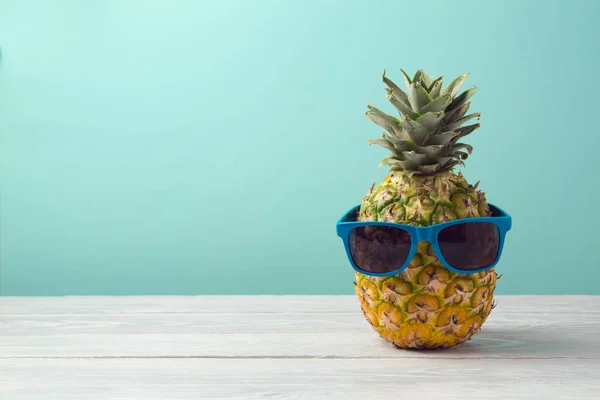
[[379, 249], [469, 246]]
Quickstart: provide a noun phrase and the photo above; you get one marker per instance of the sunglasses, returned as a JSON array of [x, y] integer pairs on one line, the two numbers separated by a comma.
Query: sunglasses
[[466, 245]]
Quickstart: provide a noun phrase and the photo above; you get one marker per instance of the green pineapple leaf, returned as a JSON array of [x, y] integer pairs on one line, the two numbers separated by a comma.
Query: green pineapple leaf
[[457, 123], [437, 105], [382, 142], [437, 83], [432, 151], [403, 144], [442, 138], [414, 131], [382, 119], [465, 130], [435, 90], [407, 79], [415, 157], [454, 86], [389, 160], [418, 96], [457, 113], [429, 169], [444, 160], [402, 107], [461, 155], [461, 99], [430, 120], [408, 165], [423, 78], [465, 146], [395, 89]]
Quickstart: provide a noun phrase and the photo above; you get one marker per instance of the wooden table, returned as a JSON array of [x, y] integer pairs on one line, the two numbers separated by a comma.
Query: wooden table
[[286, 347]]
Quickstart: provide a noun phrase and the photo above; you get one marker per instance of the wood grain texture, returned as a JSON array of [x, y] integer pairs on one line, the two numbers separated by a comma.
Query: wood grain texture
[[289, 347], [298, 379], [498, 344], [256, 304]]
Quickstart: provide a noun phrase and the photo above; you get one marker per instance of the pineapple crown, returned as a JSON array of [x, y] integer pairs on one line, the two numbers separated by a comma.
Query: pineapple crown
[[426, 139]]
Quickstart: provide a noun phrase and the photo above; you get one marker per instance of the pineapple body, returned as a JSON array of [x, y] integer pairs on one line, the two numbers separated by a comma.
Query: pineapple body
[[426, 305]]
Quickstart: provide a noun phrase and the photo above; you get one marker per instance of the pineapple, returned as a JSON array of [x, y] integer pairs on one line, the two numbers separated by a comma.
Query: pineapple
[[426, 306]]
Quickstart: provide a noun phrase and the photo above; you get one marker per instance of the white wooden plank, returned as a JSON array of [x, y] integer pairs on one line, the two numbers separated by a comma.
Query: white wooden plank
[[61, 324], [311, 347], [498, 342], [89, 379], [255, 304], [517, 329], [176, 304]]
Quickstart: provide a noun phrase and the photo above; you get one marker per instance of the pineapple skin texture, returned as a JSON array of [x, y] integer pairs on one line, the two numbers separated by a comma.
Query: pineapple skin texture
[[426, 306]]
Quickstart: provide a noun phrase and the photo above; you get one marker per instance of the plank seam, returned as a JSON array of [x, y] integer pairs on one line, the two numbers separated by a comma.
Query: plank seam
[[299, 357]]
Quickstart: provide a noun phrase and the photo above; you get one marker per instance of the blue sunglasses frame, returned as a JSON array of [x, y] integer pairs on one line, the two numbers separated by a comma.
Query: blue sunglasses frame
[[500, 218]]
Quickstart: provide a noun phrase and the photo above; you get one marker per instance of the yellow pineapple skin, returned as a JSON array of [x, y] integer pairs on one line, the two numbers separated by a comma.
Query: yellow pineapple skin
[[426, 306]]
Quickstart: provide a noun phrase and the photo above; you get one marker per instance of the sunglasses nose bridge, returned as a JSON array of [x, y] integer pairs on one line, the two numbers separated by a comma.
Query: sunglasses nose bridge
[[424, 234]]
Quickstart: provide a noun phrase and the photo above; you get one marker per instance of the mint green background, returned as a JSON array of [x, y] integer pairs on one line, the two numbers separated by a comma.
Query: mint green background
[[193, 147]]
